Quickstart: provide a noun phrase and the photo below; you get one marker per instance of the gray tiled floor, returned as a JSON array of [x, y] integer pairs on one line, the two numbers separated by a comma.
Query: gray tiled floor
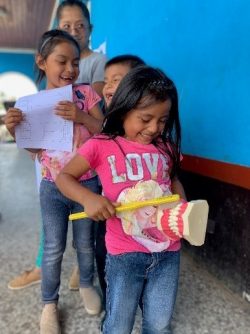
[[203, 305]]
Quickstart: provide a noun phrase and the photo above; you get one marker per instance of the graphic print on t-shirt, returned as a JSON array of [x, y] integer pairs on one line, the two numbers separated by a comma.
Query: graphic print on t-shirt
[[141, 223], [135, 169]]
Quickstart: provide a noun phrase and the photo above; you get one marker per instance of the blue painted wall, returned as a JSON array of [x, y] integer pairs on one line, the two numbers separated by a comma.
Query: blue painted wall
[[204, 46], [22, 63]]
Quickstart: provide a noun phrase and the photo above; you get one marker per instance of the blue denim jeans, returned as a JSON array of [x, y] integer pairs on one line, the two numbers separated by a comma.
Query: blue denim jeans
[[154, 276], [55, 208]]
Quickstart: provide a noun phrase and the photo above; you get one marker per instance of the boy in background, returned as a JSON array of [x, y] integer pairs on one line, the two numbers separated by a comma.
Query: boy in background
[[115, 69]]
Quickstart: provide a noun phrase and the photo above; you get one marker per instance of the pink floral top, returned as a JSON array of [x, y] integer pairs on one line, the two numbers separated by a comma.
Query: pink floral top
[[53, 161]]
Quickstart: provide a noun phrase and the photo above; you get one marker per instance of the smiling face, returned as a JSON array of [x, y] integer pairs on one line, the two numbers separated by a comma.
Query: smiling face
[[73, 21], [143, 125], [61, 67], [112, 77]]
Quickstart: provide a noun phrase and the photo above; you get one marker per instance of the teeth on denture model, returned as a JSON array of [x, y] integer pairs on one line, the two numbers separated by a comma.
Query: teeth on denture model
[[187, 220]]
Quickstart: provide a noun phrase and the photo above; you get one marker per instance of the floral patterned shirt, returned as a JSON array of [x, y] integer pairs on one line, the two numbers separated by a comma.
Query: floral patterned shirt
[[53, 161]]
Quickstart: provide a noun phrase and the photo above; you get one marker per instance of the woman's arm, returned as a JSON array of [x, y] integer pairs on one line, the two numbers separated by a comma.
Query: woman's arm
[[93, 121], [98, 87], [177, 188], [96, 206], [97, 74]]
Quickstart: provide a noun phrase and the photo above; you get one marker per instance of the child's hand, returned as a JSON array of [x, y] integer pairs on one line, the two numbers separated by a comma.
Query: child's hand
[[69, 111], [12, 118], [99, 207]]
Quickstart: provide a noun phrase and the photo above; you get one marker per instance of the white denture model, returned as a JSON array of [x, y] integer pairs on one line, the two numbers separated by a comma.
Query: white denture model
[[172, 217], [186, 220]]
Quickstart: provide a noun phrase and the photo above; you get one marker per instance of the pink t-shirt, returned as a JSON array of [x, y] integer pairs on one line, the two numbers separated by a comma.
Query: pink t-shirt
[[121, 164], [53, 161]]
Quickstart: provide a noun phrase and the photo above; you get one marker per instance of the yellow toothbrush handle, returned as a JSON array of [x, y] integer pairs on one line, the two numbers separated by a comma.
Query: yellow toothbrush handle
[[133, 206]]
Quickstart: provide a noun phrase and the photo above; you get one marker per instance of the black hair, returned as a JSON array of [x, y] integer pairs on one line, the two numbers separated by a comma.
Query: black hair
[[131, 60], [71, 3], [144, 86], [48, 41]]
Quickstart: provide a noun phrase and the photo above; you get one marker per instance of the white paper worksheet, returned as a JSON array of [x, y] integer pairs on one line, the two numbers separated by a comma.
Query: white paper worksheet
[[42, 128]]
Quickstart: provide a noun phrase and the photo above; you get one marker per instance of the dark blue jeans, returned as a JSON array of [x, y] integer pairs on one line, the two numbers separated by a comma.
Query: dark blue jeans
[[55, 209], [132, 275]]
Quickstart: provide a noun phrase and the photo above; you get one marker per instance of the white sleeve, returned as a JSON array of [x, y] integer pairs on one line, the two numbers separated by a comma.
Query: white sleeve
[[97, 73]]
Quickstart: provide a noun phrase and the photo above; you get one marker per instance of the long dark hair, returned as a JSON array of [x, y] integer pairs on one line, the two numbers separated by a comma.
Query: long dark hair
[[144, 86]]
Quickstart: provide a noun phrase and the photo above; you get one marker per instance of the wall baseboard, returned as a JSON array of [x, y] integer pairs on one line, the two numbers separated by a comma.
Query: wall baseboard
[[225, 172]]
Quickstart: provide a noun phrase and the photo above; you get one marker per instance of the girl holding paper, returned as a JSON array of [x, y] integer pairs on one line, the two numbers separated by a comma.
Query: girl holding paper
[[57, 60]]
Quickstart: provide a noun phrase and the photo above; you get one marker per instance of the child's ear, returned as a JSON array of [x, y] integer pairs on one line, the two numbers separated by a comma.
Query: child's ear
[[40, 62]]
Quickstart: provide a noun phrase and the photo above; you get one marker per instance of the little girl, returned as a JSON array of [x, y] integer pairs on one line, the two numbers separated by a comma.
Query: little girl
[[73, 16], [141, 137], [57, 60]]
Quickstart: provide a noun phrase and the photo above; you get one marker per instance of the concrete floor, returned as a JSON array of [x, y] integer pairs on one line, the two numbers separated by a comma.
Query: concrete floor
[[204, 305]]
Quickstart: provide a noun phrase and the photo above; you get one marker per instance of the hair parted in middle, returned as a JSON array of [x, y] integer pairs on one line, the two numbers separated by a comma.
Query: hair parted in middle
[[70, 3]]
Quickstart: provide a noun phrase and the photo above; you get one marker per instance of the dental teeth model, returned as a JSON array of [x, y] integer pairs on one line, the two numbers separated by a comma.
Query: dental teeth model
[[175, 220], [186, 220], [143, 216]]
